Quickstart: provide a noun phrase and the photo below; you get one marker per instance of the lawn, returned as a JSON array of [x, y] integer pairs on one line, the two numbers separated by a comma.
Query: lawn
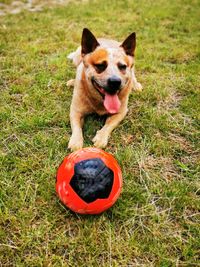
[[156, 221]]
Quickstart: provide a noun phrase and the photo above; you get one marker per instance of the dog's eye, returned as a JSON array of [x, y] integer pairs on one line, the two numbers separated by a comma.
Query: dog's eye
[[100, 67], [122, 67]]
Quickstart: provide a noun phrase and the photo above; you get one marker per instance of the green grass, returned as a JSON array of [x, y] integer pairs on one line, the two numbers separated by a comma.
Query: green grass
[[156, 221]]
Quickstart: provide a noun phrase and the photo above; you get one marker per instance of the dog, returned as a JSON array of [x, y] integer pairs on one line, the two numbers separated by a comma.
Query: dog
[[104, 79]]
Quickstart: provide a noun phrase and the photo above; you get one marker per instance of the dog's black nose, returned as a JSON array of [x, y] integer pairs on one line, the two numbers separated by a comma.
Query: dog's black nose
[[114, 84]]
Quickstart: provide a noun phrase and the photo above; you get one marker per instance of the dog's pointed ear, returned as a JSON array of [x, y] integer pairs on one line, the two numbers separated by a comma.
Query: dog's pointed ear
[[88, 42], [129, 44]]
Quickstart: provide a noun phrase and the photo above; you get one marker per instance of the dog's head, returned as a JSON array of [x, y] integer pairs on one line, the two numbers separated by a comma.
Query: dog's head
[[108, 66]]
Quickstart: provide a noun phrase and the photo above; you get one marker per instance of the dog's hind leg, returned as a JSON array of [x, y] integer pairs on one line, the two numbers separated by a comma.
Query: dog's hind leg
[[136, 85], [71, 83], [76, 56]]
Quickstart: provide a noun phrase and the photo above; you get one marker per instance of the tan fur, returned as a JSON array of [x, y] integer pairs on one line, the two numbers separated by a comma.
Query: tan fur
[[86, 98]]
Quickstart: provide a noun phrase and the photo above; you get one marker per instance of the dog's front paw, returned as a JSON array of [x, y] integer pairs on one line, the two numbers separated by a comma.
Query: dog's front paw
[[138, 87], [75, 143], [100, 140]]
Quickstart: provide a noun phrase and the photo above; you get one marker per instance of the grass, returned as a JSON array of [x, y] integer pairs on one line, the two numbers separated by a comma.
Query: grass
[[156, 221]]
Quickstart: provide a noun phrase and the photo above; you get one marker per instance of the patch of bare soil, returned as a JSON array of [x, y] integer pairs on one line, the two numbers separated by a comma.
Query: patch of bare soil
[[15, 7]]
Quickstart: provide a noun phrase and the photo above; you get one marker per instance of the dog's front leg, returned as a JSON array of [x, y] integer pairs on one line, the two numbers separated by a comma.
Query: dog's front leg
[[101, 138], [76, 140]]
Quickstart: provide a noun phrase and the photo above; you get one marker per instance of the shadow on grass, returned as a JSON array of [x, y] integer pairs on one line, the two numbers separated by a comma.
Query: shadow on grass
[[92, 124]]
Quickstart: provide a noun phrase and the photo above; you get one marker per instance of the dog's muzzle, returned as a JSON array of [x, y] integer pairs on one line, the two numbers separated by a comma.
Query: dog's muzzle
[[112, 86]]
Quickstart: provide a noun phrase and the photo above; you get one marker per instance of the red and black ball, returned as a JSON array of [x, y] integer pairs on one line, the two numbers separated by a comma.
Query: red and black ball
[[89, 181]]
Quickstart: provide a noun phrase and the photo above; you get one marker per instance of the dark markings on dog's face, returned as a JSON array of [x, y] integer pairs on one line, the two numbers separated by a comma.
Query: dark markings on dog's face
[[100, 67], [122, 67]]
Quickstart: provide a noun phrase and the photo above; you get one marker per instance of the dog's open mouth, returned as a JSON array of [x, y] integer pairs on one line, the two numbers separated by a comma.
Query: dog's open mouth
[[98, 88], [111, 102]]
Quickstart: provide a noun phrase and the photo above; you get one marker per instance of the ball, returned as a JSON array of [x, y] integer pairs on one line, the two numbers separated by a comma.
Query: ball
[[89, 181]]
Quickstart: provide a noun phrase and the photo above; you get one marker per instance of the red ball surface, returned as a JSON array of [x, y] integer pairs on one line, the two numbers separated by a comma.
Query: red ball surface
[[100, 171]]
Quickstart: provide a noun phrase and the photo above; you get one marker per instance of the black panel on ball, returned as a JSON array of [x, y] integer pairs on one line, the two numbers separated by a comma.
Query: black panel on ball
[[92, 180]]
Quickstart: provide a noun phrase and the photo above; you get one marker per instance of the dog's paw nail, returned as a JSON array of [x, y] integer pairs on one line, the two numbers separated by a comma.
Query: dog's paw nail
[[74, 147], [75, 144]]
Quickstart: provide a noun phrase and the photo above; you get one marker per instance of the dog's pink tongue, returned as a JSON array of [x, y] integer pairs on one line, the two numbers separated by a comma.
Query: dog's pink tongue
[[111, 103]]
